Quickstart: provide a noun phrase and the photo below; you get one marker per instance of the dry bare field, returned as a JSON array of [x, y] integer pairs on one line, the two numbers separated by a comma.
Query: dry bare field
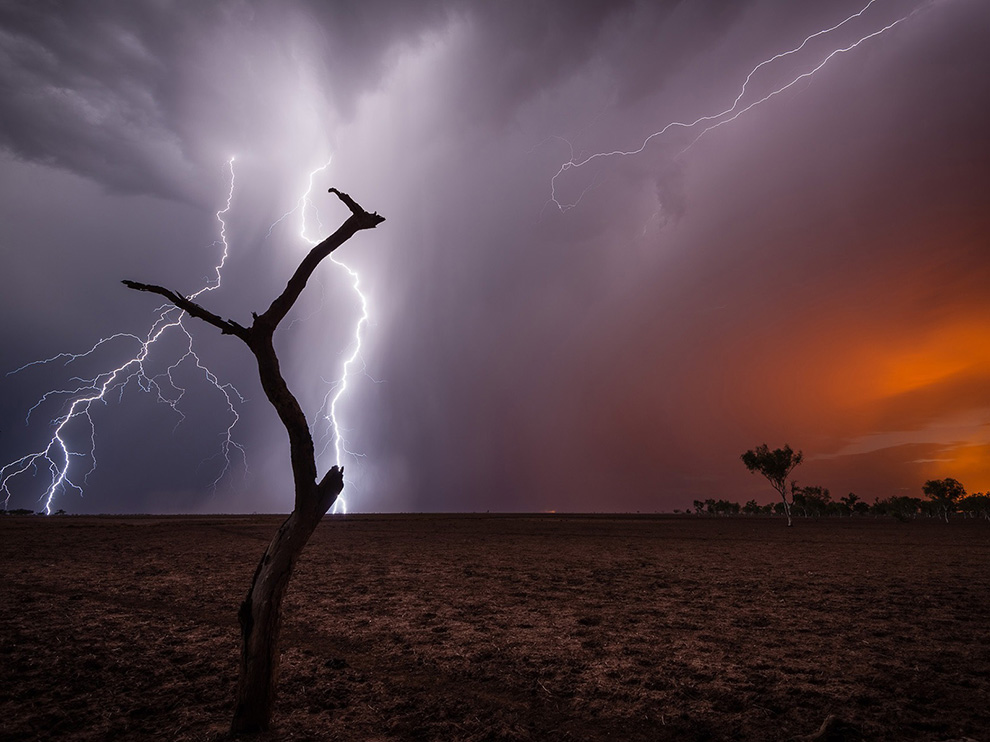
[[503, 628]]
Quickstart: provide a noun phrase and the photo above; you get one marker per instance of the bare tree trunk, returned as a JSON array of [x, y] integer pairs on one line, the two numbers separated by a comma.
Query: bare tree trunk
[[787, 509], [260, 614]]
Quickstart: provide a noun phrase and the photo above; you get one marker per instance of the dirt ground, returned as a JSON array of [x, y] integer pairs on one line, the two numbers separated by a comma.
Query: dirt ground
[[503, 628]]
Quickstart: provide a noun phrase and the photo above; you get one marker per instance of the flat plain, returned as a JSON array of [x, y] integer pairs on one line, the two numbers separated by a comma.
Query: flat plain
[[503, 627]]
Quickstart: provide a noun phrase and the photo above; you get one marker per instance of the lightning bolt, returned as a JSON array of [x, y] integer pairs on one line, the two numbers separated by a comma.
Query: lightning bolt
[[55, 461], [733, 111], [332, 436]]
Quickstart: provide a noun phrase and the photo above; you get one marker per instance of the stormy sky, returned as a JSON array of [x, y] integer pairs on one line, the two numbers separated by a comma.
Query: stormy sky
[[814, 272]]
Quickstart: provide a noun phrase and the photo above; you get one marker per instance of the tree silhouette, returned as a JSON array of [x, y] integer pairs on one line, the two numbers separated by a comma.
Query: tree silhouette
[[776, 466], [811, 501], [850, 502], [901, 507], [260, 613], [944, 494], [976, 505]]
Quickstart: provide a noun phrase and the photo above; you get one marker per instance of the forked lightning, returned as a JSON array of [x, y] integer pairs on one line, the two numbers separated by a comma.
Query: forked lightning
[[738, 106], [73, 434]]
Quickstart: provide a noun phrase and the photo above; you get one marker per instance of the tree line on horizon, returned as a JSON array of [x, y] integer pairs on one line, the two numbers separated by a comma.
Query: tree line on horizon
[[816, 502], [944, 496]]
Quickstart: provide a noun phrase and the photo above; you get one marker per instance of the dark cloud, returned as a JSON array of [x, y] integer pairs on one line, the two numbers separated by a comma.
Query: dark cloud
[[92, 91]]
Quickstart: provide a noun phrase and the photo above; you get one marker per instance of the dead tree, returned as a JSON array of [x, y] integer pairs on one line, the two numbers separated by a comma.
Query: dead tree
[[260, 613]]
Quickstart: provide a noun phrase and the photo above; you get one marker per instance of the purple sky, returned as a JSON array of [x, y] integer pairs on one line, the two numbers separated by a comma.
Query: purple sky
[[814, 272]]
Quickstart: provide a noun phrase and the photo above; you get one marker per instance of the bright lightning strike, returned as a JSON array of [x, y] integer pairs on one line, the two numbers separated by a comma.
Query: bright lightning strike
[[55, 461], [333, 438], [735, 110]]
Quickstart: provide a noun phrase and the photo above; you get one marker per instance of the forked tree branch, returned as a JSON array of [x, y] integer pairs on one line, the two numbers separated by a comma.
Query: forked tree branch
[[359, 219], [267, 322], [349, 202]]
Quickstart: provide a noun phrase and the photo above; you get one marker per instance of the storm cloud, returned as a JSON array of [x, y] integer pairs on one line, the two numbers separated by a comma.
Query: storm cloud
[[813, 272]]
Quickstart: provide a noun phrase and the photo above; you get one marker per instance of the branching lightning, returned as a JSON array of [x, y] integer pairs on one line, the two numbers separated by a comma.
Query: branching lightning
[[735, 110], [55, 462]]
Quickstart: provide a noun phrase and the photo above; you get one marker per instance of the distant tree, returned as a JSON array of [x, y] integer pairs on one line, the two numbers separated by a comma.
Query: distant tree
[[849, 502], [944, 494], [751, 508], [901, 507], [811, 501], [260, 613], [776, 466], [726, 507], [929, 508], [976, 505], [711, 506]]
